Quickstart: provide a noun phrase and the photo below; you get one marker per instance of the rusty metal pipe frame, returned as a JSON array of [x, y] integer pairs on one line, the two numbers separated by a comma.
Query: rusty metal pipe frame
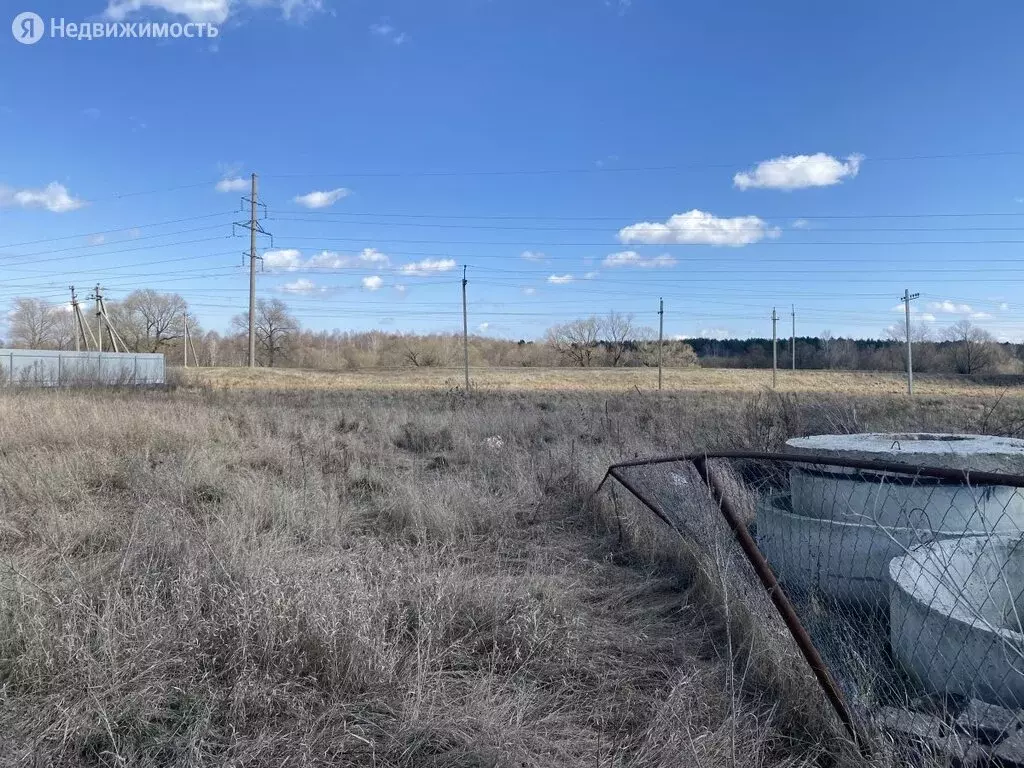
[[644, 499], [964, 476], [757, 560], [781, 601]]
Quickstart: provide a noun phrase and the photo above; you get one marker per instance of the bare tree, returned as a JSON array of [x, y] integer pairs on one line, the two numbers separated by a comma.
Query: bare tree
[[974, 350], [65, 327], [828, 347], [919, 332], [926, 357], [617, 330], [148, 320], [421, 352], [643, 347], [275, 326], [32, 323], [575, 341]]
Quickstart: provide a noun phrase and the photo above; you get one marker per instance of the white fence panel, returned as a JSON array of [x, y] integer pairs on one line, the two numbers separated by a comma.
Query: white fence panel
[[53, 368]]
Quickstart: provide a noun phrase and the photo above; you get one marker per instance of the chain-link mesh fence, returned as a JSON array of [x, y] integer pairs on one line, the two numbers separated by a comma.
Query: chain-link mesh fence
[[907, 584]]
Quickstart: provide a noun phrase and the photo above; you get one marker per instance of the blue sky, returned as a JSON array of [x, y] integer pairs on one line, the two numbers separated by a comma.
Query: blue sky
[[730, 157]]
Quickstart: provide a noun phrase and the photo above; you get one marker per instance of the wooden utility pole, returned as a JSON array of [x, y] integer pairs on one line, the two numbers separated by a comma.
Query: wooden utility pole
[[465, 327], [184, 319], [775, 347], [661, 336]]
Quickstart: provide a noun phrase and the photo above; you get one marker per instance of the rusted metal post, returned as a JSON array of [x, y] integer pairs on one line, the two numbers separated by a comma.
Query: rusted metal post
[[645, 500], [780, 599]]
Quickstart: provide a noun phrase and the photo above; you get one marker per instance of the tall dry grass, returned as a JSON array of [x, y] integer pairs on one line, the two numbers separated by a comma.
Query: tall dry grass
[[211, 577]]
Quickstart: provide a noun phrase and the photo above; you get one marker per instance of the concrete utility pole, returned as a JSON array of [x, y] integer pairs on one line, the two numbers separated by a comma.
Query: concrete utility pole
[[78, 331], [775, 347], [195, 355], [82, 330], [184, 319], [465, 327], [102, 319], [255, 228], [99, 318], [661, 336], [792, 338], [906, 298]]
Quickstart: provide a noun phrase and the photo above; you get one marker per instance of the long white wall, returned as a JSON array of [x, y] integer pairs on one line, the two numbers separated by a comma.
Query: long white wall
[[51, 368]]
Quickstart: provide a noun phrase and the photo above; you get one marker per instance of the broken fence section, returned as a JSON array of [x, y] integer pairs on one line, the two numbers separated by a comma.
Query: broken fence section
[[900, 587]]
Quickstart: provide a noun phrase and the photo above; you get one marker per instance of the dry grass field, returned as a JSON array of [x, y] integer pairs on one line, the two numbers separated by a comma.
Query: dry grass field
[[290, 575], [597, 380]]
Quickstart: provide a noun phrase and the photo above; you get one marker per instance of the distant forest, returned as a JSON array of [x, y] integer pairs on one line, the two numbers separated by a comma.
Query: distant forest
[[973, 352]]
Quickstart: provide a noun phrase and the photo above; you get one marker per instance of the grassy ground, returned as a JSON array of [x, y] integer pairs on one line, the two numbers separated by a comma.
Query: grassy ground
[[221, 577], [593, 380]]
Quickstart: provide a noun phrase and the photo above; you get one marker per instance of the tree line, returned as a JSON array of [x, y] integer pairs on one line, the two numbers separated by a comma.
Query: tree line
[[150, 321], [963, 348]]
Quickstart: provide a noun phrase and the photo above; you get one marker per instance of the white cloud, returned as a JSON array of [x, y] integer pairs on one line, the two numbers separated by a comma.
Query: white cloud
[[372, 283], [532, 256], [135, 233], [699, 228], [798, 172], [97, 240], [373, 256], [801, 224], [335, 260], [286, 258], [634, 259], [980, 316], [212, 11], [386, 30], [215, 11], [322, 199], [301, 286], [529, 291], [234, 184], [53, 197], [400, 288], [1004, 307], [716, 333], [560, 279], [296, 9], [328, 260], [483, 327], [428, 266], [950, 308], [927, 317], [591, 275]]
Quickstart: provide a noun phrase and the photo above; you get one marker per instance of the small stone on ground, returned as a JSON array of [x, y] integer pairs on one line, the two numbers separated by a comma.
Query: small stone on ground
[[987, 721], [1010, 752], [902, 722]]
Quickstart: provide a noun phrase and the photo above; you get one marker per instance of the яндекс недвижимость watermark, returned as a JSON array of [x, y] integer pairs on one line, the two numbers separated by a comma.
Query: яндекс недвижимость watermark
[[29, 28]]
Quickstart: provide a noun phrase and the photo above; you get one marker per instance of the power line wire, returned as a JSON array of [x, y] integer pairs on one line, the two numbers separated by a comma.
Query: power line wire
[[611, 169]]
